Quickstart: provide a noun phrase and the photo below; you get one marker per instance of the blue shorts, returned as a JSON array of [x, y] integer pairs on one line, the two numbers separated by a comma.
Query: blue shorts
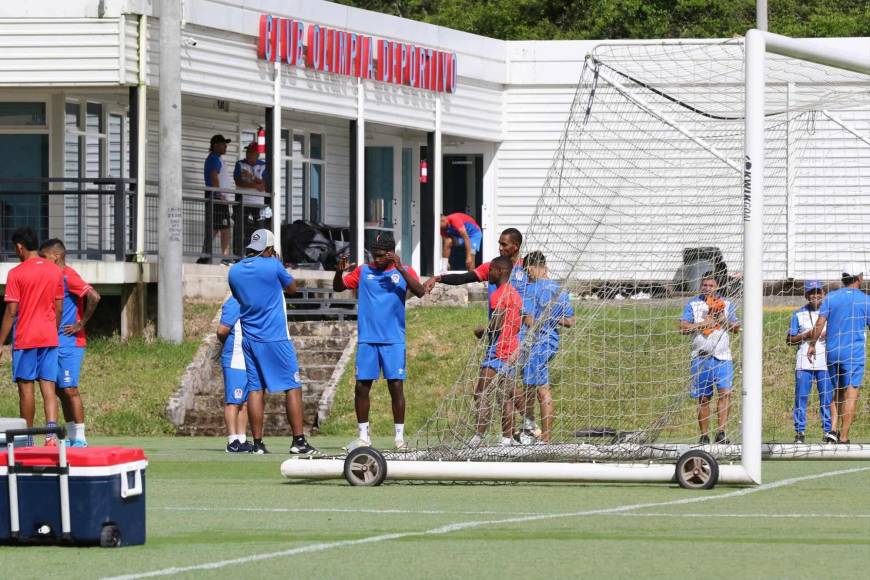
[[537, 369], [846, 374], [271, 366], [69, 366], [709, 373], [490, 361], [235, 386], [476, 238], [31, 364], [371, 359]]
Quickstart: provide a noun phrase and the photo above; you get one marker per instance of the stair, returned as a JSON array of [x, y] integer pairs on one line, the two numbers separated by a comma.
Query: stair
[[321, 347]]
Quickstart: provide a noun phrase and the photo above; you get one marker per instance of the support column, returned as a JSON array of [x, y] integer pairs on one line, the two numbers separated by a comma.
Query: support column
[[139, 135], [753, 286], [273, 158], [170, 310], [354, 192], [429, 254], [360, 154], [435, 170]]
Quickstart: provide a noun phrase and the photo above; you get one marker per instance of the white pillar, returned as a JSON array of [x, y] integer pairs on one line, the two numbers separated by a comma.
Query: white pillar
[[141, 129], [790, 201], [761, 14], [360, 172], [753, 285], [277, 155], [437, 187]]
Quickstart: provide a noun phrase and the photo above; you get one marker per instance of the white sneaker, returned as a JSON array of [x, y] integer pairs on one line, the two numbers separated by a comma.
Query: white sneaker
[[506, 442], [401, 445], [358, 442], [475, 441]]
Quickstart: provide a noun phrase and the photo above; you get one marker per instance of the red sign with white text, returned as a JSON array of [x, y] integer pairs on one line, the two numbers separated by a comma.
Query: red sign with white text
[[347, 53]]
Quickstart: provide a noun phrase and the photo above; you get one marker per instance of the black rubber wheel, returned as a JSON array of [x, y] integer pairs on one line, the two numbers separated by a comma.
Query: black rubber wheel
[[110, 536], [365, 466], [697, 469]]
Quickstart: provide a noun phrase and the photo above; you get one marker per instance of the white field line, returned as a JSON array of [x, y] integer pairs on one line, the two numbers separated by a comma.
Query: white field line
[[320, 547], [762, 516]]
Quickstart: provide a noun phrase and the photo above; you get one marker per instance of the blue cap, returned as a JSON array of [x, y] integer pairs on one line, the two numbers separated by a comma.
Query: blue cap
[[811, 285]]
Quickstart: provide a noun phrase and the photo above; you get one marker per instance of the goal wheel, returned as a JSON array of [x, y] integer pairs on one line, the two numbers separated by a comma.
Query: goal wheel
[[697, 469], [110, 536], [365, 466]]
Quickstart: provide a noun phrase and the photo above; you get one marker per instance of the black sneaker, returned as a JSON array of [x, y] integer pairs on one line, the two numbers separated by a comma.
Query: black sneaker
[[721, 438], [831, 437], [234, 446], [302, 448], [799, 438], [259, 448], [246, 447], [704, 440]]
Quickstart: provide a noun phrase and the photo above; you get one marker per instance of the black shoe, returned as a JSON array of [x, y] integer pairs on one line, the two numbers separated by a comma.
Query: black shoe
[[259, 448], [226, 262], [721, 439], [704, 440], [302, 447], [203, 260], [246, 447], [234, 447], [800, 438], [831, 437]]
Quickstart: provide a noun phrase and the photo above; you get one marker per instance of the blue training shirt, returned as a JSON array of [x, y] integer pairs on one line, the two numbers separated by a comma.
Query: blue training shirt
[[68, 316], [212, 163], [538, 298], [381, 295], [232, 355], [258, 284], [848, 313]]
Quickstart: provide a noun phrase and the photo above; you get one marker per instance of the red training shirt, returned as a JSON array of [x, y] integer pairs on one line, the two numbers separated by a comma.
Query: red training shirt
[[506, 299], [35, 285]]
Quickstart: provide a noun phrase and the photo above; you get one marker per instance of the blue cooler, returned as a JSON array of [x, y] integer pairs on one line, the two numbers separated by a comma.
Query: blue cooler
[[78, 496]]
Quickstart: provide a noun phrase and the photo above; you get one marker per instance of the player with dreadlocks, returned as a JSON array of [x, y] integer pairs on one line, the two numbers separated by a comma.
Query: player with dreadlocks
[[382, 287]]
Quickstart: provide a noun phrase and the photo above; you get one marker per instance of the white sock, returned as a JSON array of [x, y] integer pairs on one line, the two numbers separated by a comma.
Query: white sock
[[79, 430], [364, 430], [400, 431], [70, 430], [445, 264], [242, 437], [232, 437]]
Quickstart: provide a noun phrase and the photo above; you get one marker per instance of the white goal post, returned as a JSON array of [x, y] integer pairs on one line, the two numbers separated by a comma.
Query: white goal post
[[609, 224]]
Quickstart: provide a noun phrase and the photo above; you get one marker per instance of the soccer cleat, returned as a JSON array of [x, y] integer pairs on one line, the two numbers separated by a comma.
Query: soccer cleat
[[233, 447], [475, 441], [831, 437], [246, 447], [79, 443], [704, 440], [721, 439], [259, 448], [303, 448], [401, 445], [799, 438], [358, 442], [506, 442]]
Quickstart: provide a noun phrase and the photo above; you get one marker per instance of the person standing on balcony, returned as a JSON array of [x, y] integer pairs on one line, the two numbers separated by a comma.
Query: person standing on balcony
[[251, 173], [218, 174]]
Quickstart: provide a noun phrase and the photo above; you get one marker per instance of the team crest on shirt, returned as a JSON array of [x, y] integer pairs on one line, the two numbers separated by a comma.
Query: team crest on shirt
[[237, 393], [370, 277], [519, 275], [395, 278]]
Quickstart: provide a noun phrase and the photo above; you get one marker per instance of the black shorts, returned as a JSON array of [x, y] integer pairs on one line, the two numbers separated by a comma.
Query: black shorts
[[221, 216]]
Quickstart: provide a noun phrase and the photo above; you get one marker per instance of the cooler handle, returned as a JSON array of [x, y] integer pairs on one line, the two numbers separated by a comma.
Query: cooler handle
[[126, 490]]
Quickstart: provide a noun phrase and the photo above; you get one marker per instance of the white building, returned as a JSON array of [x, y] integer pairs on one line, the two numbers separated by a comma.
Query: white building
[[72, 72]]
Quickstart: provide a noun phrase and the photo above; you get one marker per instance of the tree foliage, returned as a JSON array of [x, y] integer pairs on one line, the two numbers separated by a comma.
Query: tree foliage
[[601, 19]]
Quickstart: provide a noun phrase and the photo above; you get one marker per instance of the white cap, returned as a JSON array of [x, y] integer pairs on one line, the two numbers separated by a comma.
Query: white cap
[[261, 239], [852, 269]]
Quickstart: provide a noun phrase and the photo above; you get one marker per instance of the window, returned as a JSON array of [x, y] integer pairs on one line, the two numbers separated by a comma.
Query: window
[[303, 180], [19, 114]]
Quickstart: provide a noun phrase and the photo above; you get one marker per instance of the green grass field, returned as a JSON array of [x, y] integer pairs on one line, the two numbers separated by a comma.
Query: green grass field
[[211, 515]]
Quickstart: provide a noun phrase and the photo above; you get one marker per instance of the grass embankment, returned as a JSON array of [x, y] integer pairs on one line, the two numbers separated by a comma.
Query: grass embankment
[[125, 384]]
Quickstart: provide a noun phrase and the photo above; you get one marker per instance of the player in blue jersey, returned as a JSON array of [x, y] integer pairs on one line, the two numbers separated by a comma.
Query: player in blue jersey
[[546, 308], [79, 304], [259, 282], [229, 333], [382, 288], [710, 319], [846, 312], [803, 321]]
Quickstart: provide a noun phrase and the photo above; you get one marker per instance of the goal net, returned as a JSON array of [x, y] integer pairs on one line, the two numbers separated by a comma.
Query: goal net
[[643, 208]]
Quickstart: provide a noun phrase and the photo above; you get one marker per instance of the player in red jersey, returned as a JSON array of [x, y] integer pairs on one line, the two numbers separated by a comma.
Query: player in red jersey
[[502, 336], [34, 302], [79, 303]]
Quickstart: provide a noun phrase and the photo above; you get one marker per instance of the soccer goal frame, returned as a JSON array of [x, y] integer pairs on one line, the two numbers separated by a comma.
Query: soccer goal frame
[[757, 44]]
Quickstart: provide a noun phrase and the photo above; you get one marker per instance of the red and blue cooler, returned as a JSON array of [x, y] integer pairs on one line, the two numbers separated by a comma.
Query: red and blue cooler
[[87, 496]]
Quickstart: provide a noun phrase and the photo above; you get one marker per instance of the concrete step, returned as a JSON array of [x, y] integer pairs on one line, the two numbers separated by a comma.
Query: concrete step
[[314, 343], [321, 328], [318, 357]]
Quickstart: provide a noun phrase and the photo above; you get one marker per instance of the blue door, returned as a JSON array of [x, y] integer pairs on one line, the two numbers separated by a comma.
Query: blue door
[[25, 156]]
